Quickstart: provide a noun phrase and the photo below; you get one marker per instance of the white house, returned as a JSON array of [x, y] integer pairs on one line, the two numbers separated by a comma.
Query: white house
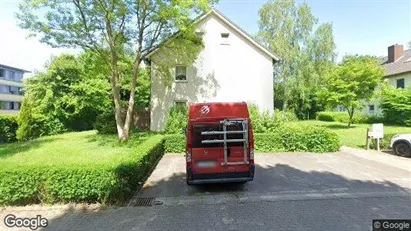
[[232, 67]]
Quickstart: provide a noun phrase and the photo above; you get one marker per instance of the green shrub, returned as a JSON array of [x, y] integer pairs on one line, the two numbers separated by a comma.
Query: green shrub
[[177, 119], [293, 138], [343, 117], [8, 129], [105, 183], [175, 143], [396, 106], [286, 138], [384, 142], [263, 122], [106, 123]]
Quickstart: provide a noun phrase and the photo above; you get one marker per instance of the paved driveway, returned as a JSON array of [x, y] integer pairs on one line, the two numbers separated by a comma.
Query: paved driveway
[[287, 175]]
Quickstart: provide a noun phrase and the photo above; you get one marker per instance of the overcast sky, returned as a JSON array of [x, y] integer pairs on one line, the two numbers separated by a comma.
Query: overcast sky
[[360, 26]]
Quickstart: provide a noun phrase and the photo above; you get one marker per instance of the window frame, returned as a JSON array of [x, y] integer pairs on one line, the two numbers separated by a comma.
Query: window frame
[[225, 38], [3, 71], [403, 83], [178, 101], [185, 74]]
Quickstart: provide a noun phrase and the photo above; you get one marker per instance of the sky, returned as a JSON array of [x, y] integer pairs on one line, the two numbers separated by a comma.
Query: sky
[[359, 26]]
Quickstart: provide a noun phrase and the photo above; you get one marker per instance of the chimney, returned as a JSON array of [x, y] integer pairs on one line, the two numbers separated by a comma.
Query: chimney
[[394, 52]]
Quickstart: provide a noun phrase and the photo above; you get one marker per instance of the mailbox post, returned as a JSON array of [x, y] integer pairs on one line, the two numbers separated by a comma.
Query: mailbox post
[[376, 133]]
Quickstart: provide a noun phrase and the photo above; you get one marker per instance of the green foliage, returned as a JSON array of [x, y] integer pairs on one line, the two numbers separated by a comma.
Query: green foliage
[[285, 138], [306, 48], [106, 123], [267, 122], [177, 119], [344, 118], [396, 106], [351, 82], [113, 182], [8, 129], [384, 142], [296, 138], [175, 143]]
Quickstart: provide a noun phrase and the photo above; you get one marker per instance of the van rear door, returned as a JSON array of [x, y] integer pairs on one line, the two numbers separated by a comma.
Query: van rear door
[[206, 157]]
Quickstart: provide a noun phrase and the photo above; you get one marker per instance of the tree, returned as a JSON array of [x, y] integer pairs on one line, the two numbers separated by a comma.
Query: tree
[[111, 28], [306, 48], [352, 82], [395, 104], [62, 98]]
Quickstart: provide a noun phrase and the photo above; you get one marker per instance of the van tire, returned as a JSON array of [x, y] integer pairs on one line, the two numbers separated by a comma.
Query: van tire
[[189, 183]]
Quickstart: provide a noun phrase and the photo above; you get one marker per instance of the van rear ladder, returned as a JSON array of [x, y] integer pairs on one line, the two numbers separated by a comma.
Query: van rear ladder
[[224, 132]]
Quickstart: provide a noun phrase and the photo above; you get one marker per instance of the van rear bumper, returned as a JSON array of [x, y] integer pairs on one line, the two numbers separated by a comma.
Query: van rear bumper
[[220, 177]]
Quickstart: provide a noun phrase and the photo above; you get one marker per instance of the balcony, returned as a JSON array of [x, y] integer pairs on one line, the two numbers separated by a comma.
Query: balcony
[[10, 97], [8, 82]]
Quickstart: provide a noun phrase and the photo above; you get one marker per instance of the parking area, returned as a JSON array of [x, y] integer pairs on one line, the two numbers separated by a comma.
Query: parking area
[[344, 173]]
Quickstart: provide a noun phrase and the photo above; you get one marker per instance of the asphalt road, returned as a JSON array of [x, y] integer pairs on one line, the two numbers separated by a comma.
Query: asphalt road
[[298, 191]]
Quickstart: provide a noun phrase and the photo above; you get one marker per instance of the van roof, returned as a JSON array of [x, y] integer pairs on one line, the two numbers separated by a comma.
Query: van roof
[[201, 111]]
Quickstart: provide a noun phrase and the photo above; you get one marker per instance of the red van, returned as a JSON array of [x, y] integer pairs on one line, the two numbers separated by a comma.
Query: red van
[[220, 144]]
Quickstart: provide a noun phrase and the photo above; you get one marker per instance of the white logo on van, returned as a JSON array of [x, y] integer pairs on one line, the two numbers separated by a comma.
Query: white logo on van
[[205, 110]]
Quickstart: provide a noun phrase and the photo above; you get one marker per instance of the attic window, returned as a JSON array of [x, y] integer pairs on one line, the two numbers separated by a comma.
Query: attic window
[[224, 38]]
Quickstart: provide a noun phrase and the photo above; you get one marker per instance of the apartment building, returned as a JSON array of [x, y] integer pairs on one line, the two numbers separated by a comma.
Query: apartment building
[[11, 89]]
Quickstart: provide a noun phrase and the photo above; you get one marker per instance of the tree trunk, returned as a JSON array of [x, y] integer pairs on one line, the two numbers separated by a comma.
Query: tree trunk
[[350, 115], [130, 108], [117, 101]]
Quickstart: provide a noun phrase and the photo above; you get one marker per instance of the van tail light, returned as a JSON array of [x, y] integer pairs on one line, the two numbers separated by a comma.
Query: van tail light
[[188, 157], [251, 153]]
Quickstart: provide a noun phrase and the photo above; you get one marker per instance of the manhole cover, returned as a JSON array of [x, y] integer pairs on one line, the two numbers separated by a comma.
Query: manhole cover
[[146, 201]]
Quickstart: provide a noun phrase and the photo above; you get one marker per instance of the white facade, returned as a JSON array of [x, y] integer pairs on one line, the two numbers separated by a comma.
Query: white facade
[[230, 68]]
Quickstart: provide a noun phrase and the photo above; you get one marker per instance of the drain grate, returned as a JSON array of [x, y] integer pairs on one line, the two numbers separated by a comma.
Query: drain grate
[[146, 201]]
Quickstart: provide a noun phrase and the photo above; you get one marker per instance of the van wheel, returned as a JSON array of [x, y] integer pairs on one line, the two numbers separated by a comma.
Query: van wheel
[[189, 183], [402, 149]]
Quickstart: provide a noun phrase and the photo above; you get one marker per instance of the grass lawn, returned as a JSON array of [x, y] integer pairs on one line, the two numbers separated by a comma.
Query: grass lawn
[[355, 135], [76, 148]]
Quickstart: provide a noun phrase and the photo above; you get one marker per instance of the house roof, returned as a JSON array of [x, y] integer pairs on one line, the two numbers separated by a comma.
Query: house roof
[[236, 28], [13, 68], [401, 65]]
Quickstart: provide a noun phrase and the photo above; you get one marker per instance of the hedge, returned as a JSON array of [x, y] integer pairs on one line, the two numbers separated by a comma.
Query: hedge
[[8, 128], [343, 117], [103, 183], [175, 143], [287, 138]]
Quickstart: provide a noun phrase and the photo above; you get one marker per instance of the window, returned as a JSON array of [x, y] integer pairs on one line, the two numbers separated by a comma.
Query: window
[[12, 106], [371, 107], [224, 38], [341, 108], [180, 103], [2, 73], [400, 83], [12, 75], [14, 90], [181, 73]]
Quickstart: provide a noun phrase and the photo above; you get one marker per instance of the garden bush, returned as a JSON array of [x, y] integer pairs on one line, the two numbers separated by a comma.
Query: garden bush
[[113, 182], [8, 129], [343, 117], [295, 138], [396, 106], [286, 138], [177, 119], [384, 142], [175, 143], [106, 123]]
